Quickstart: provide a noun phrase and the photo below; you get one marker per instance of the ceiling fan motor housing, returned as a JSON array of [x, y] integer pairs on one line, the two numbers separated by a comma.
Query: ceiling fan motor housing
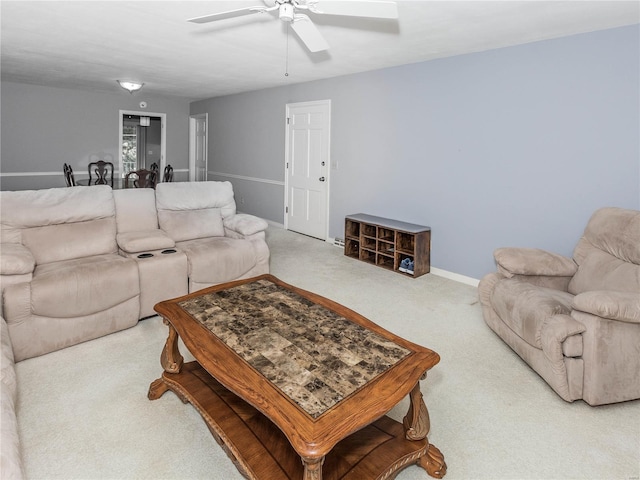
[[286, 12]]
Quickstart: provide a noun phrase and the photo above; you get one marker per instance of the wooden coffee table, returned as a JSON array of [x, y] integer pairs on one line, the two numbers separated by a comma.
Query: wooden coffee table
[[295, 386]]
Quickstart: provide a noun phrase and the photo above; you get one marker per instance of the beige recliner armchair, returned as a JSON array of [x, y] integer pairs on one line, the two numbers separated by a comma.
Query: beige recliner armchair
[[576, 322]]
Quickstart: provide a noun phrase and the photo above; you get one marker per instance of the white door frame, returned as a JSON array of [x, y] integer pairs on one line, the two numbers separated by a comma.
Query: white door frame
[[163, 135], [287, 159], [192, 144]]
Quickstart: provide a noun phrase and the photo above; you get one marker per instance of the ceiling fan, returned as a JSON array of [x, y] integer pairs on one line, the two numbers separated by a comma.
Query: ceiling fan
[[289, 11]]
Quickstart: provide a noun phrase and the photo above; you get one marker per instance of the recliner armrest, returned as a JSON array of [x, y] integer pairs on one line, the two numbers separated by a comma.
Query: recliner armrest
[[144, 241], [614, 305], [245, 224], [16, 259], [533, 261]]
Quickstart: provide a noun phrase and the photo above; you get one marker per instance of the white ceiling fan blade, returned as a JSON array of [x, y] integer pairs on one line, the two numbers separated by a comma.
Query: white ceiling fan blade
[[355, 8], [230, 14], [309, 33]]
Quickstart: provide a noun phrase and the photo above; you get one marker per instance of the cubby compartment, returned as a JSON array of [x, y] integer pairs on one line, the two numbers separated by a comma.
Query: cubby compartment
[[386, 234], [384, 261], [352, 230], [387, 248], [369, 243], [399, 246], [367, 256], [368, 230], [406, 263], [352, 247], [406, 242]]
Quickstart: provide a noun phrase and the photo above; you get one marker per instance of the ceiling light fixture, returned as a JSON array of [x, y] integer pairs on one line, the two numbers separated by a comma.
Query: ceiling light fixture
[[130, 86]]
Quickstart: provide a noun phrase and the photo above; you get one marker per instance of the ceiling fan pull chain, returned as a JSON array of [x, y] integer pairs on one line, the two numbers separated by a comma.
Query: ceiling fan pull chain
[[286, 66]]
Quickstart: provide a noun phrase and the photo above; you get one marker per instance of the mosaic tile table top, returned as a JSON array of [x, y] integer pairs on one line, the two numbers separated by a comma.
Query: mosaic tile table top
[[313, 355]]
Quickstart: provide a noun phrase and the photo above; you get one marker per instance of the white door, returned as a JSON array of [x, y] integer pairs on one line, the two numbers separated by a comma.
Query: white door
[[198, 144], [307, 168]]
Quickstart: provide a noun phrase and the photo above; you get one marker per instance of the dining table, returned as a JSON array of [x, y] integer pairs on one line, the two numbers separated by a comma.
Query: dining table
[[118, 183]]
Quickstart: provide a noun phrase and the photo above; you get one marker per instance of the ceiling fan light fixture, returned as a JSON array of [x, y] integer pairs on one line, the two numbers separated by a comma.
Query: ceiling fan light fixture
[[130, 86]]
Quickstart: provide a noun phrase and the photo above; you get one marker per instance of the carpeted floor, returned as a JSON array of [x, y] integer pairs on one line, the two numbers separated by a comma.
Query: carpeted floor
[[83, 412]]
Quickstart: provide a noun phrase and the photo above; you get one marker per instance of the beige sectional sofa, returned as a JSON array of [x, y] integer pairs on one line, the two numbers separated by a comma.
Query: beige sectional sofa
[[78, 263]]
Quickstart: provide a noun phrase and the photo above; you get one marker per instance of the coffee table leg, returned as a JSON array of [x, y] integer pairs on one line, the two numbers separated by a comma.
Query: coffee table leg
[[171, 361], [417, 426], [312, 468]]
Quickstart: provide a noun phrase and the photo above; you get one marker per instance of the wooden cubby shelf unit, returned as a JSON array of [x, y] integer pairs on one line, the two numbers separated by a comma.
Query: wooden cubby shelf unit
[[386, 243]]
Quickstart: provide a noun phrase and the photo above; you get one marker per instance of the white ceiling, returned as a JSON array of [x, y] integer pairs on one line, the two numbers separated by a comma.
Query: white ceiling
[[90, 44]]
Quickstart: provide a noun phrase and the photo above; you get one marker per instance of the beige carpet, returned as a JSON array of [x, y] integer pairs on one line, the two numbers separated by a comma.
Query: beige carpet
[[83, 411]]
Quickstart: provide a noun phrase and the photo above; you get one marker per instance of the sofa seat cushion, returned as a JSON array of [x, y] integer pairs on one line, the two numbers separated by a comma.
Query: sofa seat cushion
[[525, 307], [218, 259], [83, 286]]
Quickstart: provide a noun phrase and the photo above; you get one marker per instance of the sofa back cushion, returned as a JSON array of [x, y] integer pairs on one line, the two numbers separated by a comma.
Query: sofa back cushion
[[191, 210], [608, 254], [135, 209], [60, 223]]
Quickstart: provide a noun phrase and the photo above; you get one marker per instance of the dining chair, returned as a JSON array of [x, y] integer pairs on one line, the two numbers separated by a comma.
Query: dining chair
[[168, 174], [140, 179], [154, 167], [68, 175], [103, 172]]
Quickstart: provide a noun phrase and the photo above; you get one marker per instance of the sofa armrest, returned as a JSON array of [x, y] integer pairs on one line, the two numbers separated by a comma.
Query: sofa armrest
[[622, 306], [16, 259], [244, 224], [144, 241], [533, 261], [556, 330]]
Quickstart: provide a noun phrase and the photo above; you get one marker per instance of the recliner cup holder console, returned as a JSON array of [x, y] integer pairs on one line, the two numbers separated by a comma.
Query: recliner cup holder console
[[163, 252]]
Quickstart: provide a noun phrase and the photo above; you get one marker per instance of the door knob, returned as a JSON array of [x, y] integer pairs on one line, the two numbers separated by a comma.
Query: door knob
[[321, 179]]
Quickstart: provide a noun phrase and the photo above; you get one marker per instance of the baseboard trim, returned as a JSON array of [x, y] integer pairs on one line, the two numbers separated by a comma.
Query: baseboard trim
[[274, 224], [455, 276], [435, 271]]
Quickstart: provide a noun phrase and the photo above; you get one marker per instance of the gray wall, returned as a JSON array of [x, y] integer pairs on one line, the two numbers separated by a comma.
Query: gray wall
[[44, 127], [515, 146]]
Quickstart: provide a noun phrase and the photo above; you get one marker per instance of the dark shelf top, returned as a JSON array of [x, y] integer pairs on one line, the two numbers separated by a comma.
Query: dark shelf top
[[388, 223]]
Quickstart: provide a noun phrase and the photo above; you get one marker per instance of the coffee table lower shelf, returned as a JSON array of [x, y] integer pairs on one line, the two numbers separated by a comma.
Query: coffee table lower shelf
[[261, 451]]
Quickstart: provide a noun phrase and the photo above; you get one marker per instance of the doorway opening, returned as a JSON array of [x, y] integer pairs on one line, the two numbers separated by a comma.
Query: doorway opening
[[198, 147], [142, 141]]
